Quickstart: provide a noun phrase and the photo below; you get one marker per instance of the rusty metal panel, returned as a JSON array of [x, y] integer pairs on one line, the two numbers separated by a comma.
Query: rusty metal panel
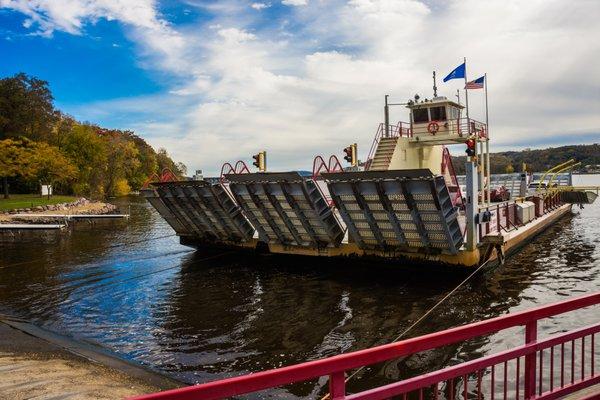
[[400, 209]]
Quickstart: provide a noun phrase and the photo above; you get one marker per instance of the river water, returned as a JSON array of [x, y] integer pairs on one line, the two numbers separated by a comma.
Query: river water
[[196, 316]]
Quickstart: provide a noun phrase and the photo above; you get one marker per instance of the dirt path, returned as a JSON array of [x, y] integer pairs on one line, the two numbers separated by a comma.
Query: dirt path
[[34, 368]]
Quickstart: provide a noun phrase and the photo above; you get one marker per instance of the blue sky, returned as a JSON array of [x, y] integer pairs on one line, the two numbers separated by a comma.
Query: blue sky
[[216, 81]]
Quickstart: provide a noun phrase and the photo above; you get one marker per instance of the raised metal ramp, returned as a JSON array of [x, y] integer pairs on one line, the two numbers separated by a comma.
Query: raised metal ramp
[[286, 208], [396, 210], [152, 196], [200, 209], [578, 196]]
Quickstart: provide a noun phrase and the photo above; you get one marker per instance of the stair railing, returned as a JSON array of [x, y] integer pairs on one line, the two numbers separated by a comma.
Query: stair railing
[[319, 166], [401, 129], [448, 167]]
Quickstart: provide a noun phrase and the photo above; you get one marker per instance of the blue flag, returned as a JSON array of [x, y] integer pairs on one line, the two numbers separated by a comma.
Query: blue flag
[[459, 72]]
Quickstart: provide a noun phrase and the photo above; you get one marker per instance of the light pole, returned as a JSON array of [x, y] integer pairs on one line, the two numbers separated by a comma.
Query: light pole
[[386, 114]]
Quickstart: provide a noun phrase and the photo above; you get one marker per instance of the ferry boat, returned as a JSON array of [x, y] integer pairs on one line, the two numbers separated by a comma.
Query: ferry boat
[[405, 203]]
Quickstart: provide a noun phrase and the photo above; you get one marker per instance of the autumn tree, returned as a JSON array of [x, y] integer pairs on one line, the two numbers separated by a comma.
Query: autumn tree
[[89, 153], [15, 160], [122, 163], [164, 161], [45, 144], [26, 108], [49, 165]]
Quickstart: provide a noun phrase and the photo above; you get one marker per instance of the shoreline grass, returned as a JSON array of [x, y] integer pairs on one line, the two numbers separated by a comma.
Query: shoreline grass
[[31, 200]]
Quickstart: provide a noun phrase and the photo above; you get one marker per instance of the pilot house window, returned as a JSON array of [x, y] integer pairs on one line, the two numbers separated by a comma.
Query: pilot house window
[[438, 113], [420, 115]]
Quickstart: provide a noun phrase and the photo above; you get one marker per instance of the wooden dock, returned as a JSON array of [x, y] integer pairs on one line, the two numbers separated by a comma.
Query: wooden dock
[[31, 226], [71, 216]]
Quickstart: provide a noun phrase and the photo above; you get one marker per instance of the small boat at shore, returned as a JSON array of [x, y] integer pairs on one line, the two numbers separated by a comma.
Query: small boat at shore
[[404, 204]]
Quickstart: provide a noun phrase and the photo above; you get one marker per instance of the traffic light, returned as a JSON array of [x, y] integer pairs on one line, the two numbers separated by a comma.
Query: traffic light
[[351, 154], [260, 161], [470, 147]]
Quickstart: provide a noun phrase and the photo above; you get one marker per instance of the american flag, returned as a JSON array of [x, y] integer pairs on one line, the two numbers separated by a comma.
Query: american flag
[[476, 84]]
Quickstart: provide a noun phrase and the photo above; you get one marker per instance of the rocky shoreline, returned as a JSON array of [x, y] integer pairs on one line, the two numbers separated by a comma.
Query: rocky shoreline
[[79, 206]]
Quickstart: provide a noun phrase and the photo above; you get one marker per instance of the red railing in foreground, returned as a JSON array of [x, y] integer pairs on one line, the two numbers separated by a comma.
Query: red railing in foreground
[[543, 369]]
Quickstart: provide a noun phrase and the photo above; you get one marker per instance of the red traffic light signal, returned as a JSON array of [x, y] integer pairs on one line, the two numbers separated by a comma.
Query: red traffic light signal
[[260, 161], [351, 155], [348, 152], [470, 147]]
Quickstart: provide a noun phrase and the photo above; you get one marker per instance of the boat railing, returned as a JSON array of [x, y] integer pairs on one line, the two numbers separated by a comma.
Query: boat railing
[[542, 367], [463, 127], [401, 129], [503, 218], [166, 175], [506, 218]]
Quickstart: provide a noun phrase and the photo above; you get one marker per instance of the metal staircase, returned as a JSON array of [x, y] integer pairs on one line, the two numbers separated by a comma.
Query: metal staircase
[[451, 180], [383, 154]]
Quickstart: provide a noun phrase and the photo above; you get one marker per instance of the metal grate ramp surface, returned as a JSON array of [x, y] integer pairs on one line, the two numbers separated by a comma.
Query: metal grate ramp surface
[[286, 208], [201, 209], [397, 210]]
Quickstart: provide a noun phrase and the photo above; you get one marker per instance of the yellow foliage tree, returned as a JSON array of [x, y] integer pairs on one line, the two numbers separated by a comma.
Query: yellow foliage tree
[[122, 187]]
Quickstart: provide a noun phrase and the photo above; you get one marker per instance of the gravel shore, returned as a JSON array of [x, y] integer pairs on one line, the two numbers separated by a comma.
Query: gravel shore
[[79, 206], [53, 368]]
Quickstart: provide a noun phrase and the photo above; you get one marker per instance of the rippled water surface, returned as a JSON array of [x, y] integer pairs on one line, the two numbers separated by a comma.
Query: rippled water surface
[[198, 316]]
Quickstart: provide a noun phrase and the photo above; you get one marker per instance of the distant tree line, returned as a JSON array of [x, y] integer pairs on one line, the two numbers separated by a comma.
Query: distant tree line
[[40, 144], [538, 160]]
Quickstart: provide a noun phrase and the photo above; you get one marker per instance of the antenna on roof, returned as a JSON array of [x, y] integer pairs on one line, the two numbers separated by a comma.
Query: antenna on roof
[[434, 86]]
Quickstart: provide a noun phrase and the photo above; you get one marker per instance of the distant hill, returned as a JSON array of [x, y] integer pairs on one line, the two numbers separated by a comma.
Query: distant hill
[[540, 160]]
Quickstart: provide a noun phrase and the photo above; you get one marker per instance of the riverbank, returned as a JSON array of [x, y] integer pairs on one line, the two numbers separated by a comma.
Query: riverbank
[[57, 367], [19, 201], [78, 206]]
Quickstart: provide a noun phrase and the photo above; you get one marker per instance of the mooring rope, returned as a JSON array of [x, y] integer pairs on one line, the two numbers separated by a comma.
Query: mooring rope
[[401, 335]]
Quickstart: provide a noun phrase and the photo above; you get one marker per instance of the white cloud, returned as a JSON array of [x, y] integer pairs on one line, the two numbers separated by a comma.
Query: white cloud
[[159, 41], [234, 35], [295, 3], [260, 6], [312, 80]]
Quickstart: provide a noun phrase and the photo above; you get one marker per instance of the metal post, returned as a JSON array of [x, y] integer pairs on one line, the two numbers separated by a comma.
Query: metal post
[[337, 385], [471, 207], [480, 164], [487, 140], [467, 99], [434, 86], [386, 112], [530, 337]]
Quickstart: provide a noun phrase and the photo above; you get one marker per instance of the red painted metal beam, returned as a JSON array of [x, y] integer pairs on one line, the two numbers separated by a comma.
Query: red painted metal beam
[[428, 379]]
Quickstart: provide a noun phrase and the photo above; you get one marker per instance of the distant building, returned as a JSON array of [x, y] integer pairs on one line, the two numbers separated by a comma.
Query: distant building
[[198, 175]]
